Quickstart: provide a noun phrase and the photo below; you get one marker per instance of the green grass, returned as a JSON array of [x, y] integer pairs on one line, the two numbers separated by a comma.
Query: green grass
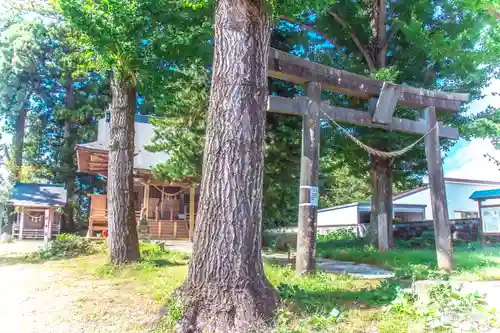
[[471, 262], [318, 303], [321, 302]]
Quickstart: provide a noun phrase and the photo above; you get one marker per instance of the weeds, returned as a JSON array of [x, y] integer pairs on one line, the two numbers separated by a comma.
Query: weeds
[[69, 246], [153, 257], [425, 240], [419, 264], [446, 309]]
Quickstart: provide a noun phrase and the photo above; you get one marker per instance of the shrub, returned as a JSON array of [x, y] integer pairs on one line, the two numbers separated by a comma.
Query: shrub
[[339, 235], [68, 246], [280, 241], [154, 255], [340, 238], [425, 240]]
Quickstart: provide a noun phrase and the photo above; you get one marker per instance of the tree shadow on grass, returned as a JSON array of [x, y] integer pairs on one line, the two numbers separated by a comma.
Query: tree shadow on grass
[[165, 258], [165, 262], [23, 258], [320, 301], [32, 258]]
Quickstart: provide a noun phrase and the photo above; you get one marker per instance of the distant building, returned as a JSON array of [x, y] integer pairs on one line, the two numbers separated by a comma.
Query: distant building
[[37, 210], [410, 206], [168, 207]]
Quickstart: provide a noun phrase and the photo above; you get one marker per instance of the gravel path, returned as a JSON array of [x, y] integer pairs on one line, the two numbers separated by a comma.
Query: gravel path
[[20, 247], [47, 298]]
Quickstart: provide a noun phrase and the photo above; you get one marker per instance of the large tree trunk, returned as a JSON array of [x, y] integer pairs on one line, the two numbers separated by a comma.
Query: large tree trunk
[[18, 142], [123, 241], [381, 169], [226, 289], [381, 205], [379, 33], [69, 154], [69, 224]]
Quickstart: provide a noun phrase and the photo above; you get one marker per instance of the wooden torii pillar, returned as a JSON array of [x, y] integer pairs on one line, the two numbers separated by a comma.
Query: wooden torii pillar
[[384, 98], [309, 166]]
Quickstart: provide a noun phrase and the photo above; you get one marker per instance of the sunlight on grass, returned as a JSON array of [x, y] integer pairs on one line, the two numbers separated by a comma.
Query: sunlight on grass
[[318, 303], [471, 262], [333, 303], [321, 302]]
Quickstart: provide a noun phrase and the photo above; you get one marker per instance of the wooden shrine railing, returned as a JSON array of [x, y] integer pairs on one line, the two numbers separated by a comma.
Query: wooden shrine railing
[[158, 228]]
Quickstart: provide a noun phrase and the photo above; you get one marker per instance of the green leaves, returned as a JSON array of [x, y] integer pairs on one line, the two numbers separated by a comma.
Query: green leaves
[[138, 36], [180, 128]]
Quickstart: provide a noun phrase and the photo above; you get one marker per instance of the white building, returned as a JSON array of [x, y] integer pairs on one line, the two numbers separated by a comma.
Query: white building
[[412, 205]]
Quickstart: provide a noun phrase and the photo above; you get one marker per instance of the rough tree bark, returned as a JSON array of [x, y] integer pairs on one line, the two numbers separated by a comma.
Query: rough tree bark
[[18, 138], [69, 157], [374, 54], [308, 209], [381, 168], [226, 289], [122, 241], [69, 225], [381, 204]]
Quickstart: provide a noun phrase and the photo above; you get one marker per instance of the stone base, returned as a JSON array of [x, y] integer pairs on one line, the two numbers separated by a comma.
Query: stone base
[[143, 232], [6, 238]]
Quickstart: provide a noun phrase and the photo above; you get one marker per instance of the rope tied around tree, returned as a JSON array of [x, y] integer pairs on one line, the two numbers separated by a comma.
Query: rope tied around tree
[[376, 152]]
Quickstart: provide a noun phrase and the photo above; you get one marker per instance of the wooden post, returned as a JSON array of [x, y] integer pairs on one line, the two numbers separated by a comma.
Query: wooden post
[[192, 194], [181, 204], [308, 195], [438, 193], [175, 229], [21, 223], [480, 229], [89, 229], [146, 199], [51, 221], [47, 235], [383, 230]]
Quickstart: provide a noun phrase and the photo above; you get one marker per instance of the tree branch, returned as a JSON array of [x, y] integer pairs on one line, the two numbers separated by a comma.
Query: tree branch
[[392, 33], [308, 27], [357, 42], [382, 32], [494, 12]]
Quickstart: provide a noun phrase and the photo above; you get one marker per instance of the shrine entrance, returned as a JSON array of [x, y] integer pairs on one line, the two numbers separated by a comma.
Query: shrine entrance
[[382, 97]]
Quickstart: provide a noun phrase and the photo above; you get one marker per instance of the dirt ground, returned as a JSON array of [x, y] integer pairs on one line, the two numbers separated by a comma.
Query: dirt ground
[[53, 297]]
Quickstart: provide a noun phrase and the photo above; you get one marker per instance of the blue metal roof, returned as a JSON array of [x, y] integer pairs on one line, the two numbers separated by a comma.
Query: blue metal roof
[[138, 118], [38, 195], [486, 194]]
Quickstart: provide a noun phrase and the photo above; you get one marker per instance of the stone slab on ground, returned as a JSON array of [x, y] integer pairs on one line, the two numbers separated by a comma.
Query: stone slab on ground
[[360, 271], [178, 245]]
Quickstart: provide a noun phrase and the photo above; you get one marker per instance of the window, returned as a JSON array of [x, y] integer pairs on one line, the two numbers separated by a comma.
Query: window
[[466, 215]]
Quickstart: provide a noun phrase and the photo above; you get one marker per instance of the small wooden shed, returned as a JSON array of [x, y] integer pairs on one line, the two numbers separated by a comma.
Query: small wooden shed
[[38, 210]]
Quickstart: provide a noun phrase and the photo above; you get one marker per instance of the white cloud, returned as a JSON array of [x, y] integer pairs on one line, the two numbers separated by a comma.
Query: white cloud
[[491, 97], [469, 162], [466, 159]]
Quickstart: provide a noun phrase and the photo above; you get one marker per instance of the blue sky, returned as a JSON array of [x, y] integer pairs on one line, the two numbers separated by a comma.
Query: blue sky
[[466, 159]]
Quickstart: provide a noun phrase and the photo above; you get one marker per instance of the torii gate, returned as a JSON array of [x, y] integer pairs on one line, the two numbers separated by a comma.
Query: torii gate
[[383, 97]]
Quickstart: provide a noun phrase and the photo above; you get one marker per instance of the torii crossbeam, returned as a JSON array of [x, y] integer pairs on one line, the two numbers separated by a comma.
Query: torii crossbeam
[[387, 96]]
